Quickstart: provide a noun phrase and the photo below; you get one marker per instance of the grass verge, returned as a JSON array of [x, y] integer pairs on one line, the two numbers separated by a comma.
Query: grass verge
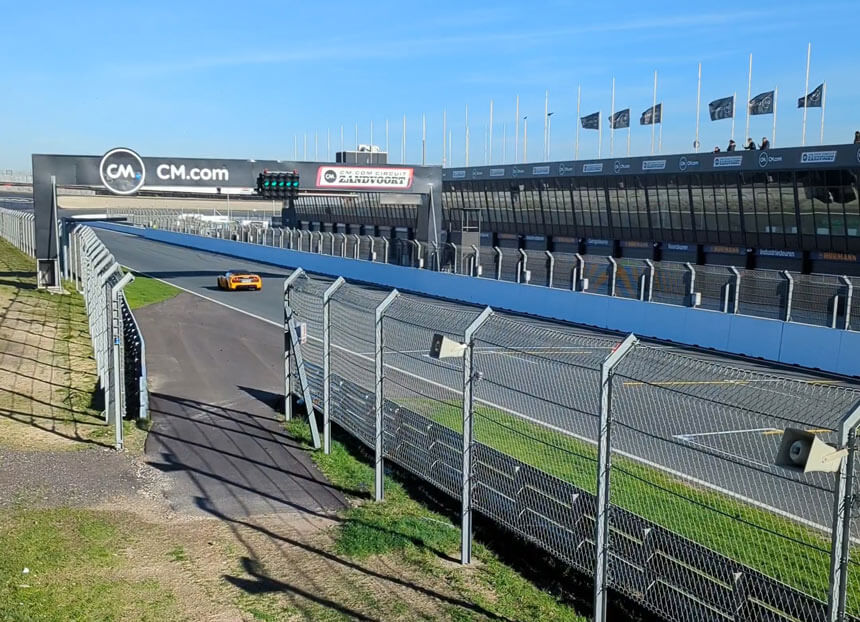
[[147, 291], [427, 541], [65, 564], [778, 547]]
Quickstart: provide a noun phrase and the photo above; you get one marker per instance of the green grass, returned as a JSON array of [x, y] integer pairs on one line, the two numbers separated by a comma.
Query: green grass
[[776, 546], [404, 527], [73, 558], [147, 291]]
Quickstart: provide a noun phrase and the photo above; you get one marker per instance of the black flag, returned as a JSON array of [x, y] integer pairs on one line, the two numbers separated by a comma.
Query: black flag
[[723, 108], [813, 100], [591, 122], [762, 103], [620, 119], [654, 114]]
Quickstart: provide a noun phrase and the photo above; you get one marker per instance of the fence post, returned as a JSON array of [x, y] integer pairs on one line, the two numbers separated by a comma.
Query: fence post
[[788, 295], [649, 284], [468, 436], [327, 362], [578, 283], [550, 263], [288, 376], [385, 250], [523, 271], [604, 459], [118, 379], [372, 250], [356, 246], [379, 448], [419, 254], [476, 266], [613, 274], [498, 253], [691, 291], [454, 248], [331, 243], [843, 500], [736, 292], [848, 296]]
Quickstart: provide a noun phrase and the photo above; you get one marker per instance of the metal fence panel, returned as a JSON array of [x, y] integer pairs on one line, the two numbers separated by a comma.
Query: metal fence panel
[[712, 282], [763, 293], [818, 299], [598, 271], [629, 277], [671, 283]]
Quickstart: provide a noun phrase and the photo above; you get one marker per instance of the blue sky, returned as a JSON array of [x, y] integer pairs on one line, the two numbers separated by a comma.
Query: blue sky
[[231, 79]]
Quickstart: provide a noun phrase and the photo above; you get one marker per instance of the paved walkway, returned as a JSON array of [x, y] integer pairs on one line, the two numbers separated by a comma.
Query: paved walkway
[[214, 380]]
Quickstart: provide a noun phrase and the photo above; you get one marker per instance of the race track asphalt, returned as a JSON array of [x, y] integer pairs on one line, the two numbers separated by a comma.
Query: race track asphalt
[[716, 432]]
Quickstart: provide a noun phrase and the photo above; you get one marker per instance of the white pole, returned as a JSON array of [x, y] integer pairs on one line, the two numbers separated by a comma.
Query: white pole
[[773, 131], [525, 138], [403, 142], [599, 133], [660, 141], [491, 131], [578, 120], [749, 94], [444, 134], [805, 94], [628, 138], [517, 133], [823, 103], [612, 121], [504, 142], [545, 123], [654, 113], [734, 111], [698, 106], [467, 134], [423, 139]]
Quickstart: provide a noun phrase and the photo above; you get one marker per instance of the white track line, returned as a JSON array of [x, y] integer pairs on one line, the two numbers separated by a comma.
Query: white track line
[[689, 478]]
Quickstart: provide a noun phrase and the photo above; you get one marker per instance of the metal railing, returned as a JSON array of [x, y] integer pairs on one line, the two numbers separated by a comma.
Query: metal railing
[[118, 345], [650, 470], [18, 228], [823, 300]]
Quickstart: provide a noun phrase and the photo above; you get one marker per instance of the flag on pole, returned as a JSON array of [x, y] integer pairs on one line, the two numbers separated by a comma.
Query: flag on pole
[[723, 108], [591, 121], [762, 103], [620, 119], [653, 115], [813, 100]]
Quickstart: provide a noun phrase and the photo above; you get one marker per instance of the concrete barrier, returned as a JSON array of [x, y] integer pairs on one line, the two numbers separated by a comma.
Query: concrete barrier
[[815, 347]]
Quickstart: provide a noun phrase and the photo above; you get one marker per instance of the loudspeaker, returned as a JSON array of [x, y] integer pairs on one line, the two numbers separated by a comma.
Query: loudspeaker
[[442, 347], [803, 451]]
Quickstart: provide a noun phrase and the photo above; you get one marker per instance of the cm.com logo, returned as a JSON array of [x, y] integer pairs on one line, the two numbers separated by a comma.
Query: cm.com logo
[[122, 171]]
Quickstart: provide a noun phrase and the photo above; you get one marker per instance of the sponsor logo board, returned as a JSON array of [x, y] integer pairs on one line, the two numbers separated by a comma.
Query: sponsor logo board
[[122, 171], [728, 161], [362, 177], [594, 167], [497, 172], [458, 174], [653, 165], [816, 157], [540, 170]]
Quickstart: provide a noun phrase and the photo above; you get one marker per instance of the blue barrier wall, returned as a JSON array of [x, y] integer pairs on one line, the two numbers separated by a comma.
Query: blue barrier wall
[[814, 347]]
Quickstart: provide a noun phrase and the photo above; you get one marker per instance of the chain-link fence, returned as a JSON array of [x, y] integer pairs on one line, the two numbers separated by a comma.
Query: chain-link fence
[[656, 472], [822, 300]]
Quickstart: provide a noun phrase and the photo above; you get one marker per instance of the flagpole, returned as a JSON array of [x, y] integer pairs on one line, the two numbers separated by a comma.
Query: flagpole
[[525, 138], [403, 142], [599, 133], [423, 139], [734, 111], [578, 120], [806, 94], [504, 142], [444, 134], [545, 120], [517, 133], [698, 107], [823, 102], [612, 121], [491, 131], [660, 142], [467, 134], [749, 94], [654, 113], [773, 131]]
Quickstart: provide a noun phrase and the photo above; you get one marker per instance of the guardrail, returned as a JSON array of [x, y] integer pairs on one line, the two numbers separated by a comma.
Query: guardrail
[[651, 471], [18, 228], [118, 345], [815, 299]]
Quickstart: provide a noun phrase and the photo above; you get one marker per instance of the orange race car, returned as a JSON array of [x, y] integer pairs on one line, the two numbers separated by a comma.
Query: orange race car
[[239, 279]]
